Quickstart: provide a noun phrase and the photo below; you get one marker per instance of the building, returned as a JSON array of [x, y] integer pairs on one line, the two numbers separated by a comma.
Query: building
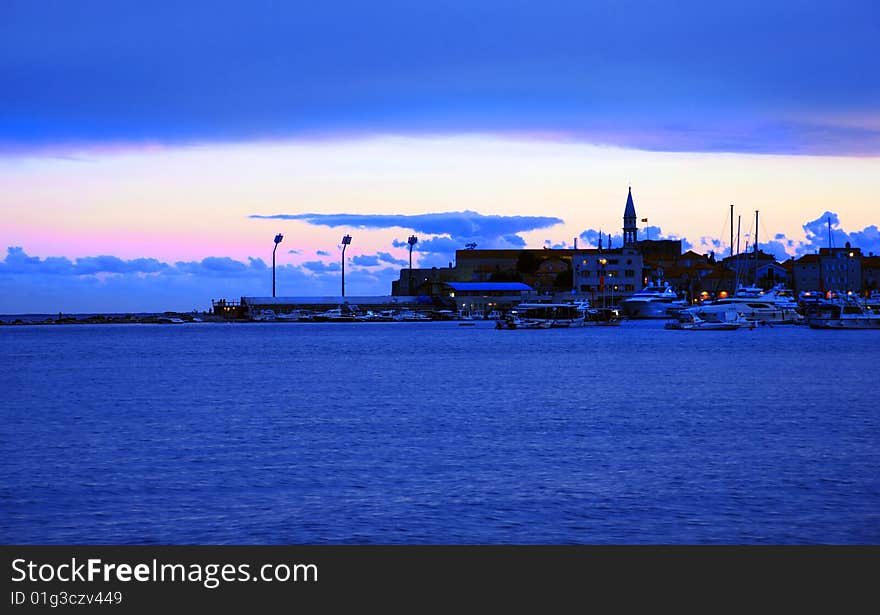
[[483, 298], [545, 270], [871, 273], [768, 273], [414, 282], [603, 275], [656, 251], [691, 274], [832, 269], [607, 276]]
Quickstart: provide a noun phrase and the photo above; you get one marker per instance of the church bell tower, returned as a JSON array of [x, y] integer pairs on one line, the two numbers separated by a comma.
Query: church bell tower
[[630, 229]]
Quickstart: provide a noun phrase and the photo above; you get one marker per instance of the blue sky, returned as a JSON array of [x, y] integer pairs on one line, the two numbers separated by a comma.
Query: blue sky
[[782, 77]]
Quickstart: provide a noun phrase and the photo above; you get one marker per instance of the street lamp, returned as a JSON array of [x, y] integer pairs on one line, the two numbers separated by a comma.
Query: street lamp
[[412, 241], [345, 241], [848, 269], [603, 262], [278, 239]]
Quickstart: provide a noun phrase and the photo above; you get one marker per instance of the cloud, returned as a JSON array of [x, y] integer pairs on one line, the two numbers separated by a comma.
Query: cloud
[[454, 223], [447, 231], [816, 236], [776, 248], [17, 261], [322, 253], [321, 266], [113, 264], [375, 260], [434, 245], [257, 264], [385, 257], [105, 284], [213, 266], [294, 251], [591, 237], [803, 83], [366, 260]]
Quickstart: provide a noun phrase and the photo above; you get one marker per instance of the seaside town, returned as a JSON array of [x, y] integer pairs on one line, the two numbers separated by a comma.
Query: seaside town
[[838, 287]]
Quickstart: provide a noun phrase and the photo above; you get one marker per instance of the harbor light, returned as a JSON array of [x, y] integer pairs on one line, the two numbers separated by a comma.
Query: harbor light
[[346, 240], [278, 239]]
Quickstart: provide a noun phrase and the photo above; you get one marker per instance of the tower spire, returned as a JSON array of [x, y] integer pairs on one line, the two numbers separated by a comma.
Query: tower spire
[[630, 227]]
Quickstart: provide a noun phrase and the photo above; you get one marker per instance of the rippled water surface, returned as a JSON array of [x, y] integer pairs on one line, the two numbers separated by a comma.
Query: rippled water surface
[[435, 433]]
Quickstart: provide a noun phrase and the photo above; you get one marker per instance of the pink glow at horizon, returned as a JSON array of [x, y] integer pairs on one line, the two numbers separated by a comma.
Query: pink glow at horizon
[[188, 202]]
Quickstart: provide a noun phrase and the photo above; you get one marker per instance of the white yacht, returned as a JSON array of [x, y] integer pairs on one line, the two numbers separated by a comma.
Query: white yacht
[[688, 321], [653, 301], [774, 306], [847, 313]]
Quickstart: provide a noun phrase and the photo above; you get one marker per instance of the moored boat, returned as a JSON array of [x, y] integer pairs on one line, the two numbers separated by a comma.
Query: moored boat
[[691, 322], [544, 316], [337, 315], [774, 306], [653, 301], [846, 313]]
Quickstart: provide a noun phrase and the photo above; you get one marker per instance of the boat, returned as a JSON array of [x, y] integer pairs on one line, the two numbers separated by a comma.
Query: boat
[[775, 306], [380, 316], [872, 301], [512, 321], [653, 301], [294, 316], [336, 315], [263, 315], [688, 321], [601, 317], [543, 316], [410, 316], [844, 313]]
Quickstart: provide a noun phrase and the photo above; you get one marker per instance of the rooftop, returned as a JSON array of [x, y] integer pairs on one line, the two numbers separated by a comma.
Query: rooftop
[[630, 211]]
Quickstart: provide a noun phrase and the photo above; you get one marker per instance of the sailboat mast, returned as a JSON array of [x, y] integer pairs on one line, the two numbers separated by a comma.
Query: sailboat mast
[[756, 248], [731, 229], [829, 232], [738, 226]]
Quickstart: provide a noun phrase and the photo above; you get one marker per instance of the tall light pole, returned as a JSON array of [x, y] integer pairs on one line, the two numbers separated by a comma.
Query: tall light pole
[[278, 239], [345, 241], [849, 263], [412, 241], [603, 262]]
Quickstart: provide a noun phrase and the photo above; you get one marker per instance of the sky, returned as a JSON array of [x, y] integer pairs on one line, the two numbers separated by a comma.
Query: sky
[[149, 152]]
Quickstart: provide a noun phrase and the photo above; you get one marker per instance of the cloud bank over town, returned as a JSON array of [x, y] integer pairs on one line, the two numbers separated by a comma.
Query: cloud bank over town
[[48, 284], [459, 226]]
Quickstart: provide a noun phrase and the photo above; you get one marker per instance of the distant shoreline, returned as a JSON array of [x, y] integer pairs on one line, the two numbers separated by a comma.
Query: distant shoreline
[[113, 318]]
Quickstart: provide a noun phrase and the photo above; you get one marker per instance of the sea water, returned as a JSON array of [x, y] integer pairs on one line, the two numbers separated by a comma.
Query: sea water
[[435, 433]]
